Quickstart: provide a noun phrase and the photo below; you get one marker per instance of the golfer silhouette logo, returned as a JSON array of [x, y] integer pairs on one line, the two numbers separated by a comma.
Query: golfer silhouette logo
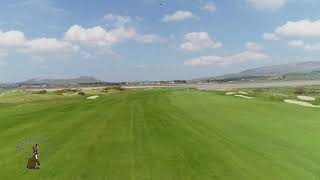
[[33, 162]]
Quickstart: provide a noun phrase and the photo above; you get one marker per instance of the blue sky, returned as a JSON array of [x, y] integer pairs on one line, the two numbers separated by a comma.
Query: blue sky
[[142, 40]]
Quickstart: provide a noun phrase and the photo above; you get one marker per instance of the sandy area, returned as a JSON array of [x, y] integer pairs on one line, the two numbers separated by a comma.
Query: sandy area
[[242, 92], [301, 103], [247, 97], [92, 97], [306, 98], [231, 93]]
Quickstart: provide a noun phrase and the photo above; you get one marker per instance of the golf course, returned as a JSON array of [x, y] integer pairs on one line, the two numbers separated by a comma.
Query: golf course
[[159, 134]]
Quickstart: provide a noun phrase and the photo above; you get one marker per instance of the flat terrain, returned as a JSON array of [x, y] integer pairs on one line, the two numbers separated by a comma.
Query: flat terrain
[[235, 84], [160, 134]]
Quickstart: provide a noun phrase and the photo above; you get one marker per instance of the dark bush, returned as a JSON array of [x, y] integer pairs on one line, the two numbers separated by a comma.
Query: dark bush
[[118, 88], [81, 93], [105, 90], [41, 92], [299, 91]]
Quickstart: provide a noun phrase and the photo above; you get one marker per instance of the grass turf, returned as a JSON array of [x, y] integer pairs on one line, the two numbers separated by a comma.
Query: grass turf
[[161, 135]]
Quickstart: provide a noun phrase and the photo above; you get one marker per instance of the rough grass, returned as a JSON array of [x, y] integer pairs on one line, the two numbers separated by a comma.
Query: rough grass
[[161, 135], [283, 93]]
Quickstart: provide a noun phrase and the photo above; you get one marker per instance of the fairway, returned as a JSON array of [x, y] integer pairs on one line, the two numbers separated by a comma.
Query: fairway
[[161, 134]]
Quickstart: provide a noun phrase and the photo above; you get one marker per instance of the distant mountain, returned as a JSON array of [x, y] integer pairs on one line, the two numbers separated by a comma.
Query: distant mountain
[[273, 71], [79, 80]]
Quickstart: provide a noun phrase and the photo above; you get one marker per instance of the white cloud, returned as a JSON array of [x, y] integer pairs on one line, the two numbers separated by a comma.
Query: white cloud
[[117, 19], [301, 44], [102, 40], [140, 66], [302, 28], [312, 47], [270, 37], [87, 55], [178, 16], [16, 40], [98, 36], [209, 6], [240, 58], [122, 33], [86, 42], [38, 60], [267, 4], [296, 43], [12, 39], [196, 41], [150, 38], [253, 46], [3, 54], [49, 46]]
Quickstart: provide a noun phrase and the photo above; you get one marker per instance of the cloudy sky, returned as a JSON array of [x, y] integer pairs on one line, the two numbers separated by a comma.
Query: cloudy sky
[[125, 40]]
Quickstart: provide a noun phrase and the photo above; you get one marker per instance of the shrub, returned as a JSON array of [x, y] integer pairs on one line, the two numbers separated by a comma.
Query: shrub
[[41, 92], [118, 88], [258, 90], [105, 90], [81, 93], [299, 91]]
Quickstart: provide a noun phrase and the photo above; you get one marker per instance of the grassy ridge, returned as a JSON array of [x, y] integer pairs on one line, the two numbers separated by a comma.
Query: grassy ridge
[[162, 134]]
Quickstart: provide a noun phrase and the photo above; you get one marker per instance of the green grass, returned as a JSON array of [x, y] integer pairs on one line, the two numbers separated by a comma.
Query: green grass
[[161, 135], [315, 75]]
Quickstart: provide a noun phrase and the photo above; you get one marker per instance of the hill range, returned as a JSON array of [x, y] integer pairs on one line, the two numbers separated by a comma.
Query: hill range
[[73, 81], [294, 71], [289, 72]]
